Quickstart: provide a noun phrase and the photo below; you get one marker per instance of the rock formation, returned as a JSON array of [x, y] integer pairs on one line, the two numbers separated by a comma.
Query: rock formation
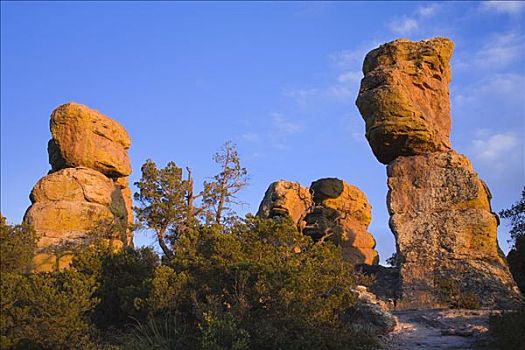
[[404, 98], [330, 209], [286, 198], [87, 186], [446, 232]]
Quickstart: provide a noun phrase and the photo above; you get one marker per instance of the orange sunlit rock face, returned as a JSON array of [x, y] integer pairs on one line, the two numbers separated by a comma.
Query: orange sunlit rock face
[[87, 186], [440, 214], [330, 208]]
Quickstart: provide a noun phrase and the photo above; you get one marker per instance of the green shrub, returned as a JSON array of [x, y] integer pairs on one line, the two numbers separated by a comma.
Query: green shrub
[[507, 330], [156, 333], [279, 287], [222, 333], [450, 293], [123, 280], [46, 310], [17, 247]]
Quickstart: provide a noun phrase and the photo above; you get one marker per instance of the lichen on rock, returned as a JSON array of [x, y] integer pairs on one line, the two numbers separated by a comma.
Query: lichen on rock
[[404, 98], [439, 209], [86, 187], [329, 209]]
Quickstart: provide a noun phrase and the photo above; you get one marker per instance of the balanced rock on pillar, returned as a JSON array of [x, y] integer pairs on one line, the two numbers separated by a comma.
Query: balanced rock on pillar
[[446, 232], [85, 137], [86, 188], [404, 98]]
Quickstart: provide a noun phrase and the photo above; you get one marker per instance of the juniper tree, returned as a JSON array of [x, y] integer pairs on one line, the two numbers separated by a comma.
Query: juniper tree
[[163, 203], [220, 192]]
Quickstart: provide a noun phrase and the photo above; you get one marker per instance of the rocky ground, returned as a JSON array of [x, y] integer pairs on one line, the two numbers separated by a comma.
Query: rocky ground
[[434, 329]]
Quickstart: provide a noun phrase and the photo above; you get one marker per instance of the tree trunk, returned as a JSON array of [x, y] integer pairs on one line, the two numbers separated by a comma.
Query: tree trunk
[[160, 236], [223, 190], [189, 199]]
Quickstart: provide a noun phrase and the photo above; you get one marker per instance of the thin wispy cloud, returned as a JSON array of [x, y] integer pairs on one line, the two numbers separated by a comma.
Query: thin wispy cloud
[[351, 76], [428, 10], [251, 137], [285, 126], [502, 50], [495, 148], [403, 26], [504, 7], [301, 96], [507, 88]]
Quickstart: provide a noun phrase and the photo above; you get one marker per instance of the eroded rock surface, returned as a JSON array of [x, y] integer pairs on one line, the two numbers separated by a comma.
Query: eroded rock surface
[[87, 189], [286, 198], [85, 137], [341, 212], [404, 98], [446, 232], [329, 209]]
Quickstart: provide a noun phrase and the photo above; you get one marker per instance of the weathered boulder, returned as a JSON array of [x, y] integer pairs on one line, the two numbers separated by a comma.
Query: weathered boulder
[[404, 98], [85, 137], [285, 199], [68, 205], [330, 209], [446, 232], [341, 213], [86, 192], [370, 313], [74, 184]]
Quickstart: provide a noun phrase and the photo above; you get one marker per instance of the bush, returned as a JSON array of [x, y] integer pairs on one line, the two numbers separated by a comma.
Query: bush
[[46, 310], [507, 330], [123, 279], [17, 247], [263, 283]]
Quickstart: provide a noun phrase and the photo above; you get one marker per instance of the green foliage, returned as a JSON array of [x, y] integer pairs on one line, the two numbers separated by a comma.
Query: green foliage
[[516, 256], [167, 203], [258, 284], [123, 279], [222, 333], [17, 247], [507, 330], [163, 204], [516, 260], [279, 287], [516, 214], [46, 310], [219, 193], [158, 333], [450, 292]]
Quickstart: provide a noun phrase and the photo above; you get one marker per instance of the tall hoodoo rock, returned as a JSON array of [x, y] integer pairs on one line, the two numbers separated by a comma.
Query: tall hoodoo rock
[[446, 232], [87, 185], [404, 98], [329, 209]]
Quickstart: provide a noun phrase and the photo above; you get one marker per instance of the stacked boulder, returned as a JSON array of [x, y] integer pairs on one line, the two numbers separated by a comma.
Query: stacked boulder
[[440, 214], [329, 209], [86, 187]]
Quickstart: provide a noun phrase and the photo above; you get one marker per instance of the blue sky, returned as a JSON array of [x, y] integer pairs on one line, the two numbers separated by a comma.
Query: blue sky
[[279, 79]]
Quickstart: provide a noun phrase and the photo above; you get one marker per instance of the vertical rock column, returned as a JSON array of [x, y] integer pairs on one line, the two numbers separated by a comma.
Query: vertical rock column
[[440, 214], [87, 184]]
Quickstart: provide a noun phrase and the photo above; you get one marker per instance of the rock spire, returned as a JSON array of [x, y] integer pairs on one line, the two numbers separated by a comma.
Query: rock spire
[[86, 187], [440, 214]]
